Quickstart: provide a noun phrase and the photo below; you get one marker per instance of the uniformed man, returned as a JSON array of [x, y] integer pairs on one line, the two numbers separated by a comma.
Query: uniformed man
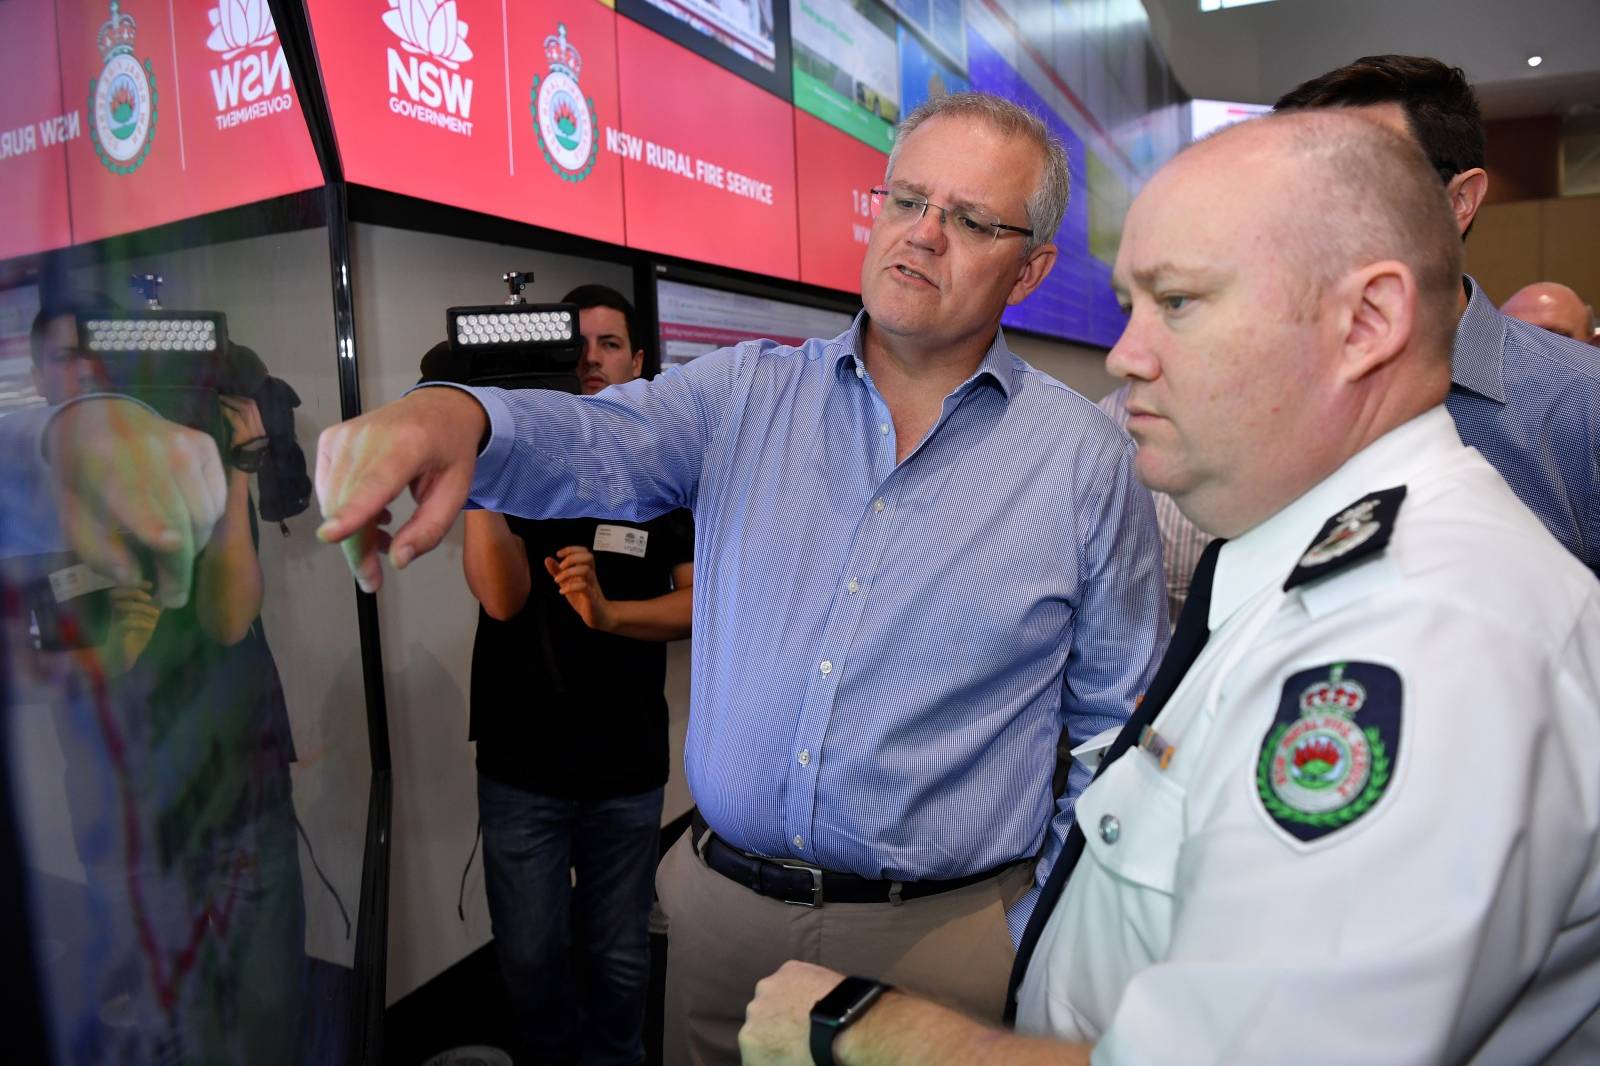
[[1364, 826]]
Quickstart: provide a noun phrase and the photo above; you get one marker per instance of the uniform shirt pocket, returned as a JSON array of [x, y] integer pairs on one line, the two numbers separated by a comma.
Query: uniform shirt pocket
[[1132, 822]]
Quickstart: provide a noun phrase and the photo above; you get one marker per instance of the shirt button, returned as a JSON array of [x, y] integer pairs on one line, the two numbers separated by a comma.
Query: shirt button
[[804, 757], [860, 373], [854, 587], [878, 505], [826, 667], [883, 427], [799, 841], [1110, 828]]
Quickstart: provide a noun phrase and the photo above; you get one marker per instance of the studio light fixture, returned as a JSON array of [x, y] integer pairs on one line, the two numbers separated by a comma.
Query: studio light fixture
[[151, 331]]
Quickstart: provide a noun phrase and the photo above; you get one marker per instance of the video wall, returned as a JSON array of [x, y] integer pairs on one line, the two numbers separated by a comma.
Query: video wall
[[124, 115], [740, 133]]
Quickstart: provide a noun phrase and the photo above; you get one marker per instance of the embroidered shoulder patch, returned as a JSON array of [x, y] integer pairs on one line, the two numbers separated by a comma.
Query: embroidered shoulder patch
[[1331, 751], [1360, 530]]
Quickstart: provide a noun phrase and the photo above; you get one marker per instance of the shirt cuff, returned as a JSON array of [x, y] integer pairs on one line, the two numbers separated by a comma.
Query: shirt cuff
[[1017, 917], [502, 430]]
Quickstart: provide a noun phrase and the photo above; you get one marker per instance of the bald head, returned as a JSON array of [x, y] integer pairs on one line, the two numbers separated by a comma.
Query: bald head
[[1554, 307], [1339, 193], [1292, 286]]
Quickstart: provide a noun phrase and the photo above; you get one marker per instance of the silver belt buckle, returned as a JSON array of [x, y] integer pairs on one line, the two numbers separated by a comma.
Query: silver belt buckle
[[816, 885]]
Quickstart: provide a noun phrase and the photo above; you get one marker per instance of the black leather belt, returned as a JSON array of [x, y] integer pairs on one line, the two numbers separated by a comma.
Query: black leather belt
[[810, 886]]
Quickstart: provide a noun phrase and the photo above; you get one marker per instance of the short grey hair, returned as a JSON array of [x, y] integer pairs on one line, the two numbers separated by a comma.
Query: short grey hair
[[1048, 202]]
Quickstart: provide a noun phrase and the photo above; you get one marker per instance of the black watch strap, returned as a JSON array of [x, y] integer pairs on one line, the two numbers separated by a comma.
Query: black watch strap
[[838, 1010]]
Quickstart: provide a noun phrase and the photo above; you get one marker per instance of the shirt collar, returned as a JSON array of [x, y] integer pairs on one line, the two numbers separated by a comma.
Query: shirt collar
[[997, 364], [1264, 555], [1478, 363]]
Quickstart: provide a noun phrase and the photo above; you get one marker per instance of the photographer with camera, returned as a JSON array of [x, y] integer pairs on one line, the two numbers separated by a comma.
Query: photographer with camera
[[135, 543], [570, 720]]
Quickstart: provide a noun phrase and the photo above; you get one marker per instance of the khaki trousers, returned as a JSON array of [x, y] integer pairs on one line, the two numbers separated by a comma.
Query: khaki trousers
[[722, 938]]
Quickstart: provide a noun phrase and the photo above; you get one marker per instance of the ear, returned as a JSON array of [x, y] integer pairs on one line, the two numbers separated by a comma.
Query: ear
[[1377, 310], [637, 362], [1467, 190], [1037, 267]]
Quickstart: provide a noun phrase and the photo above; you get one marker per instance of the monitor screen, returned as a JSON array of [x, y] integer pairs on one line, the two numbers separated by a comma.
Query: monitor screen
[[696, 319], [748, 37]]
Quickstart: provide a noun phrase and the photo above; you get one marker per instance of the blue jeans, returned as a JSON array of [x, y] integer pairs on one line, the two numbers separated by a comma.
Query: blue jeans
[[530, 842]]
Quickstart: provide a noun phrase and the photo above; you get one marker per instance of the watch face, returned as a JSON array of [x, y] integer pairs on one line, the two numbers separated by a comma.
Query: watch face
[[846, 996]]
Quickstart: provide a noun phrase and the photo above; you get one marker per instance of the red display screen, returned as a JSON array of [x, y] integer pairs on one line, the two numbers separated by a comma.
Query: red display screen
[[494, 107], [836, 175], [708, 159], [417, 108], [182, 108], [34, 126], [563, 100], [560, 114]]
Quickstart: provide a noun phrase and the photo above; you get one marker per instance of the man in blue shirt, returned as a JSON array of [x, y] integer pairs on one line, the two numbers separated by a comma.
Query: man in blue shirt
[[1526, 398], [919, 561]]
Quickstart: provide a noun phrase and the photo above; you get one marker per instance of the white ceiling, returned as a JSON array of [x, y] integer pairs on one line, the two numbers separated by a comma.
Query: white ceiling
[[1254, 54]]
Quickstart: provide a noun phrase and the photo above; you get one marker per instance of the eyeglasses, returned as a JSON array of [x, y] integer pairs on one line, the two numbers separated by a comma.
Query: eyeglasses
[[900, 207]]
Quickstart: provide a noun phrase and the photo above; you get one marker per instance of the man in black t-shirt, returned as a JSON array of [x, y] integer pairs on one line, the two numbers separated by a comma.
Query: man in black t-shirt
[[571, 723]]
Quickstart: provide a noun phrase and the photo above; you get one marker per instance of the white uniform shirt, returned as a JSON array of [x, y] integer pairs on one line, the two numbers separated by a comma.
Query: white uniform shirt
[[1458, 918]]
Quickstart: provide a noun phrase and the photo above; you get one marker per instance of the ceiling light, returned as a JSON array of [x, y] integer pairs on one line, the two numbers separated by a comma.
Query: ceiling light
[[1534, 61]]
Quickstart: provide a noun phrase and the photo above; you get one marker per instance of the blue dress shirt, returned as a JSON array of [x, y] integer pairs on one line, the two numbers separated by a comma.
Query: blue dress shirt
[[1529, 401], [884, 655]]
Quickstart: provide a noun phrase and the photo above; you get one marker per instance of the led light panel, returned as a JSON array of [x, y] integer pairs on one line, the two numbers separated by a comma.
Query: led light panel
[[513, 326], [151, 331]]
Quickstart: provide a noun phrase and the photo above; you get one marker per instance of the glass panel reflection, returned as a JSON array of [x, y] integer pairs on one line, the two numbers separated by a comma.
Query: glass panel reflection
[[185, 743]]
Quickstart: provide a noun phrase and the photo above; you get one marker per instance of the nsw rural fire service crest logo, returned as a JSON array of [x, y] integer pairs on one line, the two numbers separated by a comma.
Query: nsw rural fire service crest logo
[[563, 118], [122, 100], [1329, 756]]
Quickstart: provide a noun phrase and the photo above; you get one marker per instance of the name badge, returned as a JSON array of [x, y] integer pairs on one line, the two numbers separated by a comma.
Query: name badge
[[624, 540], [77, 581]]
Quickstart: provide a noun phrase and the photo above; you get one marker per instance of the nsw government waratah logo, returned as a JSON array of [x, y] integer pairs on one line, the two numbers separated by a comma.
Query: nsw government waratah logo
[[250, 78], [428, 84], [563, 118], [122, 100], [237, 25]]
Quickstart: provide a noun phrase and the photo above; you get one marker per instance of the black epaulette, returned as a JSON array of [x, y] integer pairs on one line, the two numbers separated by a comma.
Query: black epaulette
[[1357, 531]]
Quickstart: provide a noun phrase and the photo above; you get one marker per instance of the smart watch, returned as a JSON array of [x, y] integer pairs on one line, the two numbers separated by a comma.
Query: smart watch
[[838, 1010]]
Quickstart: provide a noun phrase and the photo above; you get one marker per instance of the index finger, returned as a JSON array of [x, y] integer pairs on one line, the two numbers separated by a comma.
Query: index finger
[[351, 500]]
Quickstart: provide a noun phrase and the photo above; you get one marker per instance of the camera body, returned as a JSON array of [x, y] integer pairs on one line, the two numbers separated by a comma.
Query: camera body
[[509, 346], [178, 362]]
